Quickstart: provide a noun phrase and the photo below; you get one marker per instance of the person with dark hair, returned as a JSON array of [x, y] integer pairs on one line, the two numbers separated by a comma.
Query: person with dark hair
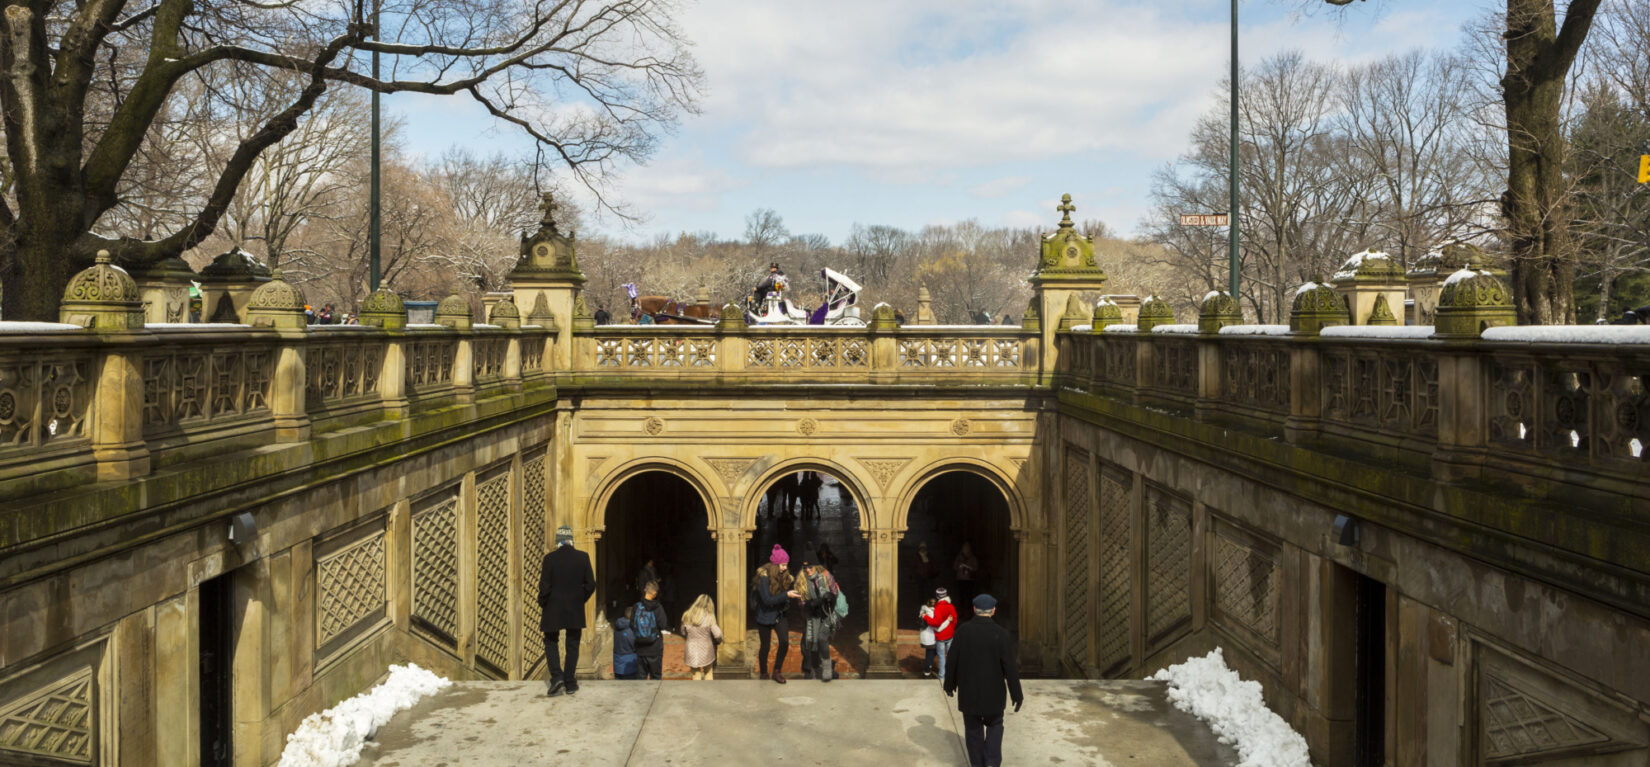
[[566, 582], [650, 625], [770, 597], [982, 665], [823, 604], [602, 317]]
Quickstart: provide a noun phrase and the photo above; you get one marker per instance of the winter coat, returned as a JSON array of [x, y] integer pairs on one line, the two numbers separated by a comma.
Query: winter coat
[[657, 648], [565, 584], [624, 648], [943, 612], [925, 637], [981, 663], [769, 606], [701, 644]]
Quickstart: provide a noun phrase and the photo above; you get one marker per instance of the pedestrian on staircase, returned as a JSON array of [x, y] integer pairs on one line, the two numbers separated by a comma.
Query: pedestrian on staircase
[[981, 666], [566, 582], [647, 619], [702, 633], [823, 604], [943, 620], [925, 637], [770, 597]]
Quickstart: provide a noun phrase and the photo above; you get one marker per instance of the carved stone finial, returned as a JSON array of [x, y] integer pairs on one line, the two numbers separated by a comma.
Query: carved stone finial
[[547, 203], [102, 297], [1066, 208], [1218, 310]]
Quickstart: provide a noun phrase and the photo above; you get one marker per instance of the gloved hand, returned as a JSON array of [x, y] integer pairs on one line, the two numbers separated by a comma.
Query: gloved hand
[[1017, 703]]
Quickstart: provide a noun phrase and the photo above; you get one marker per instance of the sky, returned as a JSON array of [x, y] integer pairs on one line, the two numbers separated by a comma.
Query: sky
[[916, 112]]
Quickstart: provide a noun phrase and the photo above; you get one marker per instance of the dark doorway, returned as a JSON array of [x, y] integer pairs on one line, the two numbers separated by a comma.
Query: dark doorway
[[1369, 671], [813, 516], [217, 652], [655, 516], [955, 511]]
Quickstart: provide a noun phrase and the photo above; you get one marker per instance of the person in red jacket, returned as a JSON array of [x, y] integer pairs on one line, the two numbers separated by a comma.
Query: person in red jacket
[[944, 621]]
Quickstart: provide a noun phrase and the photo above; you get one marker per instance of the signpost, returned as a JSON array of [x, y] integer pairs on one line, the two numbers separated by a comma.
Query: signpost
[[1204, 219]]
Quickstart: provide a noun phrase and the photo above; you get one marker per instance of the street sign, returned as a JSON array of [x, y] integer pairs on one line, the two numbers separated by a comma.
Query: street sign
[[1644, 170], [1203, 219]]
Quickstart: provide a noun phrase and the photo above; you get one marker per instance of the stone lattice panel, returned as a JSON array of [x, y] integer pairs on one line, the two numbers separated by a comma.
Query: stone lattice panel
[[435, 567], [1520, 725], [493, 570], [54, 722], [350, 585], [532, 556], [1246, 587], [1168, 566], [1111, 645], [1078, 502]]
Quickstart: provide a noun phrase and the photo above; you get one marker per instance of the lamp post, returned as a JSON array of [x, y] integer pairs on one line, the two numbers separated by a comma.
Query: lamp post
[[1232, 200], [373, 222]]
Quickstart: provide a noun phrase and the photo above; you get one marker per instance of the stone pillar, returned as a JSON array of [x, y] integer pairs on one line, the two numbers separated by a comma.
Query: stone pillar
[[925, 307], [1218, 310], [384, 309], [1370, 281], [732, 582], [883, 558], [1316, 306], [104, 299], [548, 270], [730, 330], [1473, 301], [454, 312], [164, 289], [227, 284], [1065, 269]]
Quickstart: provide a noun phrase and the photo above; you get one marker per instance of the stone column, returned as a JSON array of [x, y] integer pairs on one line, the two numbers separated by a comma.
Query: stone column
[[1065, 269], [103, 298], [731, 590], [547, 279], [884, 596], [1466, 308]]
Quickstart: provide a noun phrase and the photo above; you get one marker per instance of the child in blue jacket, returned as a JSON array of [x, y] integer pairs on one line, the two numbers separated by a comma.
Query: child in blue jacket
[[624, 651]]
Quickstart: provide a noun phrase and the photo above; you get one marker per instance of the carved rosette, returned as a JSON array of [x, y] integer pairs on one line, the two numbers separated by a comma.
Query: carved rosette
[[102, 297], [654, 426], [807, 427], [961, 427]]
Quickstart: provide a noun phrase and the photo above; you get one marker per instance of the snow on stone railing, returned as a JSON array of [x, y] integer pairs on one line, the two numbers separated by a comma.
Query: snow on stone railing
[[1378, 331], [1182, 329], [1571, 334], [1255, 330]]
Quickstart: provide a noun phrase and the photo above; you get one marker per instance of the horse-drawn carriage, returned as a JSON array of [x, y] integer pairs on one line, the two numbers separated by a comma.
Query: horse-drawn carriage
[[840, 307]]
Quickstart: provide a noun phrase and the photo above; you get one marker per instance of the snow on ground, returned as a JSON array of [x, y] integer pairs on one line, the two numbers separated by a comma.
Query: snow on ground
[[1205, 688], [334, 737]]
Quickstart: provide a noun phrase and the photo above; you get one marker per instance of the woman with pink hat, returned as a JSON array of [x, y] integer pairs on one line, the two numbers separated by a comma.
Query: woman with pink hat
[[770, 597]]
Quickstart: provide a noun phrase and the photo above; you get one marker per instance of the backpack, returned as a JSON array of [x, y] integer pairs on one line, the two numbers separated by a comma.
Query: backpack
[[841, 607], [647, 625]]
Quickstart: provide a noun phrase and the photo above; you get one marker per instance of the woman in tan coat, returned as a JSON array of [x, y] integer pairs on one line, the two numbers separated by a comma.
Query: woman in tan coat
[[702, 634]]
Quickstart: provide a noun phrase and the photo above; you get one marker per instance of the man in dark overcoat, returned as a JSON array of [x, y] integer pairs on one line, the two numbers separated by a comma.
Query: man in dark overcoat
[[566, 582], [981, 665]]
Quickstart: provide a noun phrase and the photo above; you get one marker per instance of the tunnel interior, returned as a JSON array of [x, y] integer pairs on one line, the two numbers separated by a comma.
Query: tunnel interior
[[814, 517], [655, 516], [954, 509]]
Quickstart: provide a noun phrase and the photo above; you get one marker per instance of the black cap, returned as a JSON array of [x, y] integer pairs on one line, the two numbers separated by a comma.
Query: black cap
[[985, 602]]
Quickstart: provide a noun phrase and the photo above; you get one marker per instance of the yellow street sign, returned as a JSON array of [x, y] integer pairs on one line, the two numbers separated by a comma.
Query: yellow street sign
[[1644, 169]]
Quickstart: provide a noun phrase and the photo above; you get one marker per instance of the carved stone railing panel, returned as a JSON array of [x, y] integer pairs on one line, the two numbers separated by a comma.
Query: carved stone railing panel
[[44, 401], [1570, 408], [533, 506], [435, 568], [532, 353], [487, 356], [1381, 386], [342, 372], [350, 587], [194, 387], [1077, 580], [430, 363], [1256, 374], [1174, 366]]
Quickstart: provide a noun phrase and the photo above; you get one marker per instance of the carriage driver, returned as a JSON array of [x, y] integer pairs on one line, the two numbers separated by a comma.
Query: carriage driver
[[773, 282]]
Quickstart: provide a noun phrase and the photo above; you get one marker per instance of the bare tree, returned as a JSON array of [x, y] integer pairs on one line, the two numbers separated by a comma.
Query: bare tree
[[765, 230], [593, 83]]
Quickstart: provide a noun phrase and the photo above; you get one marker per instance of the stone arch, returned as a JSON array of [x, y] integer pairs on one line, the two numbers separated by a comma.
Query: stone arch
[[594, 518], [856, 486], [996, 475]]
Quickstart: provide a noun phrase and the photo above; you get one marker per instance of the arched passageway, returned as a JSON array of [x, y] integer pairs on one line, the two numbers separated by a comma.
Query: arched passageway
[[954, 513], [655, 516], [813, 515]]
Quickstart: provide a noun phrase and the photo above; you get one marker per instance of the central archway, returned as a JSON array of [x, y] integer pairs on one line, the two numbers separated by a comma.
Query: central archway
[[654, 516]]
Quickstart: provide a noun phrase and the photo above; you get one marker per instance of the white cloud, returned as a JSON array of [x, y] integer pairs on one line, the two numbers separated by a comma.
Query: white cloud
[[999, 187], [680, 181]]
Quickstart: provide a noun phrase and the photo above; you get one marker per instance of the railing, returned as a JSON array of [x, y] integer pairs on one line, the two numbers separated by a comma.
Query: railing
[[46, 391], [1567, 409]]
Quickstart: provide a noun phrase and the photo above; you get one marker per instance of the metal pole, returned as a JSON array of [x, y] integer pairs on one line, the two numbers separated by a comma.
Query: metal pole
[[373, 222], [1232, 201]]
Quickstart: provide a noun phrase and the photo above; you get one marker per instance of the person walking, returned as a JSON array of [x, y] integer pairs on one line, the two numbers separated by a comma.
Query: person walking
[[771, 597], [925, 637], [967, 567], [624, 650], [943, 620], [821, 602], [566, 582], [982, 665], [648, 620], [702, 633], [648, 574]]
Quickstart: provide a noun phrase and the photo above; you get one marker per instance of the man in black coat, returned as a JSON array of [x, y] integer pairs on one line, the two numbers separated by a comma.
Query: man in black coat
[[981, 663], [566, 582]]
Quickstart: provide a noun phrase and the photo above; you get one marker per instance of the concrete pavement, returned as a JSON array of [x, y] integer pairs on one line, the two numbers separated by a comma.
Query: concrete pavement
[[909, 723]]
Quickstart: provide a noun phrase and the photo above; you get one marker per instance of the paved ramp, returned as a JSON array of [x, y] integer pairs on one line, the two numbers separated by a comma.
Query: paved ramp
[[907, 723]]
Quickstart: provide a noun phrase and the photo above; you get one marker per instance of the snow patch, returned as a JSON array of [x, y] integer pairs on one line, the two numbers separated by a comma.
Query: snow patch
[[1572, 334], [1205, 688], [29, 328], [1183, 328], [1350, 268], [1378, 331], [334, 737], [1305, 286], [1255, 330], [1464, 274], [1122, 329], [195, 325], [1209, 295], [1082, 328]]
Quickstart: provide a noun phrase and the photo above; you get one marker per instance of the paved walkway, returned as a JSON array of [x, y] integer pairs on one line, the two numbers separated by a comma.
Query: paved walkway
[[747, 722]]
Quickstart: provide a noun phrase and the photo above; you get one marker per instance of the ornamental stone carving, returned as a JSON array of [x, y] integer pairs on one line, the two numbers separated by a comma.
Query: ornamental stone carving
[[384, 309], [1106, 314], [731, 318], [547, 254], [1472, 300], [1075, 314], [102, 297], [883, 318], [540, 313], [961, 427], [1381, 314], [1066, 253], [1317, 306], [505, 314], [654, 426], [1154, 311], [453, 312], [1218, 310], [276, 304], [807, 427]]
